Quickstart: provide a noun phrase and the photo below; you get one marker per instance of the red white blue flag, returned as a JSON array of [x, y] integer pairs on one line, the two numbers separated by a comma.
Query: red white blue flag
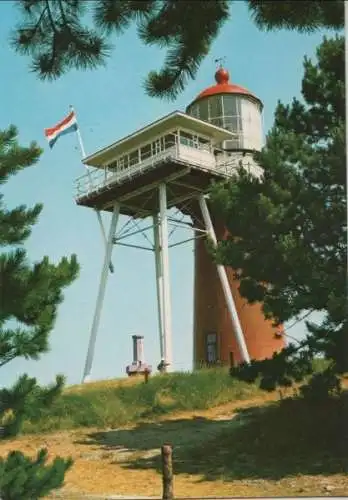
[[67, 125]]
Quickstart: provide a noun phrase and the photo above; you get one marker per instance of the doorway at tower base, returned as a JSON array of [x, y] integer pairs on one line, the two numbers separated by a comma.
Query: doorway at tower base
[[214, 338]]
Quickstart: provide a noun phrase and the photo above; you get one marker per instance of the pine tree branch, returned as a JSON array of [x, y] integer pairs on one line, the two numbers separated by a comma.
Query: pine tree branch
[[50, 17], [303, 15], [62, 13], [188, 41], [29, 34], [22, 343], [37, 478], [30, 294], [185, 29], [15, 224], [14, 158]]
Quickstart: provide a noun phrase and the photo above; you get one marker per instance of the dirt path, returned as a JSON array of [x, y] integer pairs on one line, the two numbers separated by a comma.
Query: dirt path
[[125, 461]]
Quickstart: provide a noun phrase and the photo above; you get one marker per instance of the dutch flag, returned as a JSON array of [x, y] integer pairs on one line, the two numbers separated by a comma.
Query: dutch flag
[[67, 125]]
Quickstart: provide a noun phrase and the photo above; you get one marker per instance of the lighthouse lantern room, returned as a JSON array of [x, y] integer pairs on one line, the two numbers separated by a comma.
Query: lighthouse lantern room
[[232, 108]]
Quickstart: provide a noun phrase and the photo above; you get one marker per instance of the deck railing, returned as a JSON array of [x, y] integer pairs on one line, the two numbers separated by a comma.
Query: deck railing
[[97, 179]]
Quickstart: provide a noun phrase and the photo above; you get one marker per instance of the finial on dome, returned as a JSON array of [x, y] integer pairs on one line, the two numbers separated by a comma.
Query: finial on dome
[[222, 76]]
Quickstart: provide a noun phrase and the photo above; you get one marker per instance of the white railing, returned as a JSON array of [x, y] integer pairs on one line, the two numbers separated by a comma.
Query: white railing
[[198, 157], [229, 166], [97, 179]]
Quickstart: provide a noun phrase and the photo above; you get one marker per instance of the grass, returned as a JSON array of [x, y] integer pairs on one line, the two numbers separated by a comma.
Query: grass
[[117, 404]]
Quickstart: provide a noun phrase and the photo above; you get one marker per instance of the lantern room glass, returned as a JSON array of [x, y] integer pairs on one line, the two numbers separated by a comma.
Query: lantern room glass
[[236, 113]]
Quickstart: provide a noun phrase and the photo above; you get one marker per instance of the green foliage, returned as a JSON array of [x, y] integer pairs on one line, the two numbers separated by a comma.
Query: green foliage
[[289, 230], [54, 35], [322, 385], [114, 406], [292, 364], [26, 399], [24, 478], [30, 294], [304, 15]]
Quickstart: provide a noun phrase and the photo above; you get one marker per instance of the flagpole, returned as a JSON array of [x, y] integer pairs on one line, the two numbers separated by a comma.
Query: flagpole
[[83, 152], [79, 137], [83, 155]]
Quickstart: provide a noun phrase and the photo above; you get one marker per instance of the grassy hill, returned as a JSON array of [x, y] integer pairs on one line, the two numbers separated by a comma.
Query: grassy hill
[[229, 438], [125, 401]]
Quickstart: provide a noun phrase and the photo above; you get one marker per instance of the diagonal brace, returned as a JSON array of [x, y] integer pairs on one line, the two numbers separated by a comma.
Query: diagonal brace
[[101, 292]]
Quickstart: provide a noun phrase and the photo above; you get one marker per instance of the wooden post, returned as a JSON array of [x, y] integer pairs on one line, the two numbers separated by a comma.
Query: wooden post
[[167, 472], [146, 375]]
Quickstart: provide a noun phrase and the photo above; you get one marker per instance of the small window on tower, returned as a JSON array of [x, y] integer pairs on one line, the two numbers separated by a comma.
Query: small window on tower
[[233, 124], [204, 110], [211, 353], [218, 122], [215, 107], [230, 105], [194, 111]]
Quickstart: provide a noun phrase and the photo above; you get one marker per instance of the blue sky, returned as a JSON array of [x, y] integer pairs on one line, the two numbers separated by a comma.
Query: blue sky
[[111, 103]]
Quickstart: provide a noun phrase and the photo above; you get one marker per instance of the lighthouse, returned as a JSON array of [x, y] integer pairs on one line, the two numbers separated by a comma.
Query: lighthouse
[[167, 165], [236, 109]]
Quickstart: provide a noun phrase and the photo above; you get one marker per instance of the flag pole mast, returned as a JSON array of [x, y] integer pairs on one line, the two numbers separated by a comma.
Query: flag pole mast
[[79, 137], [83, 155]]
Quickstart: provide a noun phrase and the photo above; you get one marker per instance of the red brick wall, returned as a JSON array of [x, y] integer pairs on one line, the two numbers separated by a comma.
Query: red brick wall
[[211, 314]]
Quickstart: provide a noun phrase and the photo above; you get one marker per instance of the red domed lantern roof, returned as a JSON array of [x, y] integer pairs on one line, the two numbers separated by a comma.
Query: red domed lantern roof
[[223, 86]]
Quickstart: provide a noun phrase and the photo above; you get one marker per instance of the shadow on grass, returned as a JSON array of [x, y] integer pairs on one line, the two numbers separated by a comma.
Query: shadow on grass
[[270, 442]]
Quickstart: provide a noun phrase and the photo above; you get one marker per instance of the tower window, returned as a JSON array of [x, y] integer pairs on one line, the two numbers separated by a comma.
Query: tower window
[[215, 107], [194, 111], [211, 349], [204, 110]]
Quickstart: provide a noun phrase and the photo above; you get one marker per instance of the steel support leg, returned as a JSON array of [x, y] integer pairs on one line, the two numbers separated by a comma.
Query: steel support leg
[[101, 293], [101, 225], [167, 320], [225, 284], [159, 280]]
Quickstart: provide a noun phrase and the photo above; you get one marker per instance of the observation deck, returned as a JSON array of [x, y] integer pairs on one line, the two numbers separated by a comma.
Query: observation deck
[[179, 150]]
